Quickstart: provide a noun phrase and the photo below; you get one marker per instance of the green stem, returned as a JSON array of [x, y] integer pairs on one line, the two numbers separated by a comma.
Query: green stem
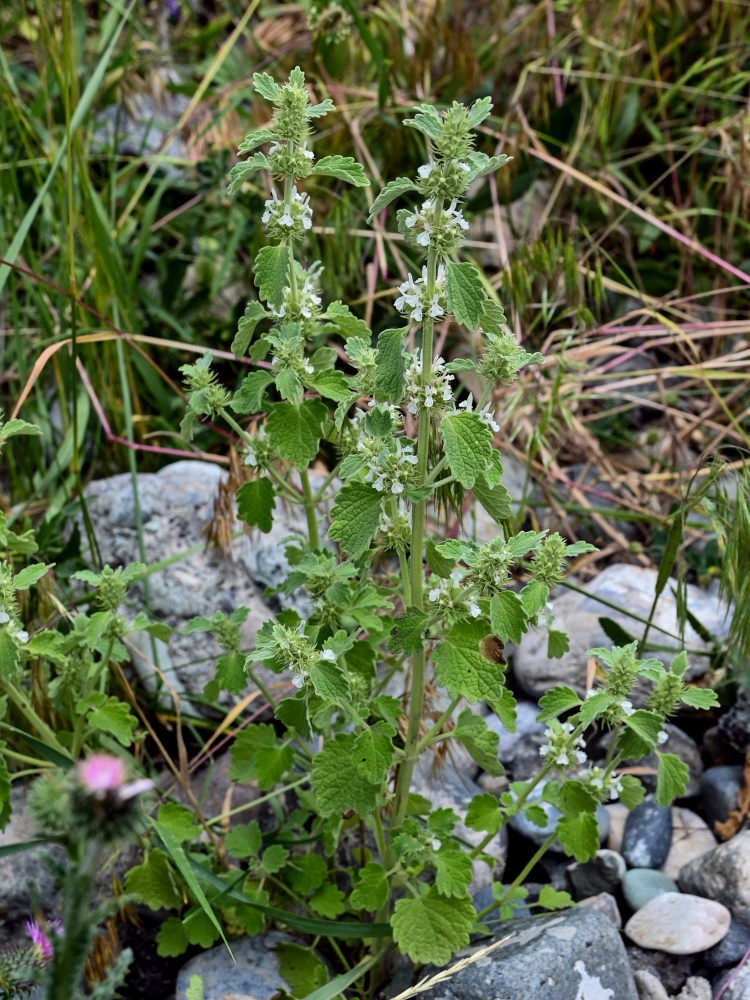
[[521, 877], [416, 700], [435, 731], [25, 707], [310, 514], [516, 807]]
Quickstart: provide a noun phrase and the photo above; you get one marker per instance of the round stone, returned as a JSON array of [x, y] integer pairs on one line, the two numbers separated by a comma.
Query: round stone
[[730, 950], [679, 924], [720, 787], [648, 835], [690, 839], [602, 873], [639, 885]]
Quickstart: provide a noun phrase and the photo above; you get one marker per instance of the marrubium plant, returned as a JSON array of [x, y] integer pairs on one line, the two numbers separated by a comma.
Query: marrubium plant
[[389, 594]]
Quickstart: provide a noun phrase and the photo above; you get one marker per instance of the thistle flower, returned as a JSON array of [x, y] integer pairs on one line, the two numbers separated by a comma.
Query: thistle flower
[[40, 940]]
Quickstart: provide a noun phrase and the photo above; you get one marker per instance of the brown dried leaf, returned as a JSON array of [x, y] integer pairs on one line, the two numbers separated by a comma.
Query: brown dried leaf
[[736, 819]]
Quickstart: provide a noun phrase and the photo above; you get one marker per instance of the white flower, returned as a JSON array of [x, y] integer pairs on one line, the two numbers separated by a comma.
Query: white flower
[[298, 681], [627, 707], [454, 217], [306, 152], [329, 655], [474, 609], [21, 636], [426, 169], [435, 844], [286, 219], [662, 737], [435, 594], [4, 616]]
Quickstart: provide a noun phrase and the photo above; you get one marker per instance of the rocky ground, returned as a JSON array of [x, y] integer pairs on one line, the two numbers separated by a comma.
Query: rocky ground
[[663, 909]]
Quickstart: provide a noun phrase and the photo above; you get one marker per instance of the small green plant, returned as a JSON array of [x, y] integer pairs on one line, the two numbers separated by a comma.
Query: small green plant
[[397, 598]]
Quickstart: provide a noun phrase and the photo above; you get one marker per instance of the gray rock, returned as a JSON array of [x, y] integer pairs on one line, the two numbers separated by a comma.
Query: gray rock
[[686, 749], [679, 924], [573, 955], [648, 986], [255, 976], [618, 815], [730, 949], [144, 125], [447, 788], [690, 839], [176, 506], [734, 725], [723, 874], [602, 873], [648, 834], [738, 989], [670, 970], [696, 988], [639, 885], [625, 586], [720, 787], [604, 903]]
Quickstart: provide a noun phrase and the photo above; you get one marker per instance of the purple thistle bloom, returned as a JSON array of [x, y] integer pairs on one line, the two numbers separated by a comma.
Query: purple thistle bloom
[[40, 940], [174, 12]]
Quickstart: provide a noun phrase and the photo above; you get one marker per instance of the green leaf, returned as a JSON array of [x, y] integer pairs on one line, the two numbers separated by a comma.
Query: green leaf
[[558, 644], [465, 293], [295, 431], [267, 87], [153, 882], [113, 716], [319, 110], [253, 314], [555, 702], [480, 109], [345, 168], [641, 734], [332, 384], [244, 840], [373, 751], [8, 657], [200, 929], [671, 778], [328, 901], [300, 967], [481, 164], [504, 707], [480, 741], [427, 121], [431, 927], [195, 988], [484, 813], [305, 872], [256, 138], [494, 499], [355, 517], [272, 763], [244, 170], [408, 631], [671, 548], [534, 597], [272, 274], [171, 941], [5, 806], [28, 576], [461, 667], [342, 320], [453, 872], [508, 616], [632, 791], [468, 446], [329, 681], [390, 366], [390, 192], [593, 707], [579, 835], [246, 745], [437, 562], [615, 632], [274, 859], [338, 783], [698, 697], [552, 899], [255, 503], [288, 385], [180, 820], [370, 888]]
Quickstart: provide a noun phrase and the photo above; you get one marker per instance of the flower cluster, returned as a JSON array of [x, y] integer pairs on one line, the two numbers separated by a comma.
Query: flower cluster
[[485, 415], [259, 451], [563, 748], [414, 301], [288, 160], [435, 226], [491, 566], [602, 783], [548, 561], [40, 938], [14, 631], [287, 218], [450, 595], [503, 358], [395, 526], [288, 346], [391, 469], [291, 649], [435, 393], [306, 303]]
